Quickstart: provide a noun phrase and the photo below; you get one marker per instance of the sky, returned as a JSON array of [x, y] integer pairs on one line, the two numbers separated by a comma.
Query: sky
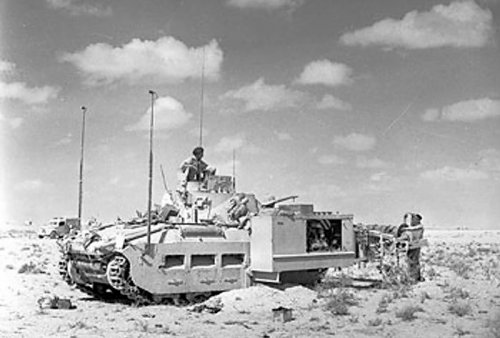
[[371, 108]]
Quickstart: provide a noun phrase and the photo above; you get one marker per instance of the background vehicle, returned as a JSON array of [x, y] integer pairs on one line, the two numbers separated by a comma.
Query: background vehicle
[[57, 227]]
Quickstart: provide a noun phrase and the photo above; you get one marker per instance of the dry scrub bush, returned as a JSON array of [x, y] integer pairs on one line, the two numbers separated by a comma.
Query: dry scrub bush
[[338, 303], [375, 322], [455, 293], [460, 308], [397, 279], [407, 313], [494, 325], [461, 268], [384, 303], [30, 268]]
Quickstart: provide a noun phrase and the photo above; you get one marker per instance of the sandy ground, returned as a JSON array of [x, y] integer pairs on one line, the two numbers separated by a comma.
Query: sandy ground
[[460, 297]]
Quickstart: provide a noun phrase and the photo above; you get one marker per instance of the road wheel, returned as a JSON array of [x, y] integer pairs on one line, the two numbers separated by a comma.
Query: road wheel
[[53, 235]]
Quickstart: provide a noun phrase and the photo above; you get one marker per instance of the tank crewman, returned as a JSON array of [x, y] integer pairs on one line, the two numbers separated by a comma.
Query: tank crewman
[[194, 168], [412, 230]]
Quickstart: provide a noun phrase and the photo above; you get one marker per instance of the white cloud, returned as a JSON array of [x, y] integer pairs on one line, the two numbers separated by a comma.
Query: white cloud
[[465, 111], [30, 185], [331, 160], [459, 24], [30, 95], [81, 7], [236, 142], [371, 163], [326, 73], [431, 114], [283, 136], [266, 4], [226, 168], [6, 66], [261, 96], [168, 114], [355, 142], [230, 143], [164, 60], [14, 122], [325, 191], [64, 140], [489, 161], [379, 177], [331, 102], [381, 182], [454, 174]]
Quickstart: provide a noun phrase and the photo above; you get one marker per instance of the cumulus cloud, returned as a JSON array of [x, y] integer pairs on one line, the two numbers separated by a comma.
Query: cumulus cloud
[[465, 111], [489, 161], [371, 163], [30, 185], [459, 24], [331, 102], [168, 114], [65, 140], [381, 182], [22, 92], [164, 60], [331, 160], [326, 73], [6, 67], [236, 142], [14, 122], [355, 142], [283, 136], [448, 173], [81, 7], [266, 4], [261, 96]]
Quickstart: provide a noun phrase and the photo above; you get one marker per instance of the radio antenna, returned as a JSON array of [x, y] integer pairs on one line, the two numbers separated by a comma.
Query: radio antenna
[[154, 96], [202, 96], [234, 169], [80, 186]]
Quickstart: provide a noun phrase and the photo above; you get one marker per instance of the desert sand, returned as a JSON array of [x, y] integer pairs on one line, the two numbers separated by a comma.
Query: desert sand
[[459, 297]]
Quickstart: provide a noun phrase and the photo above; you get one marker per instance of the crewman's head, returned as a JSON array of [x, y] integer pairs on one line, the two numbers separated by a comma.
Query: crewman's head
[[198, 153]]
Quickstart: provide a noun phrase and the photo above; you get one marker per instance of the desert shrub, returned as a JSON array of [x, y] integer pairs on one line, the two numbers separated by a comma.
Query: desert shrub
[[30, 268], [459, 331], [494, 325], [407, 313], [80, 325], [339, 302], [461, 268], [424, 296], [383, 304], [398, 279], [431, 273], [457, 293], [330, 282], [460, 308], [375, 322]]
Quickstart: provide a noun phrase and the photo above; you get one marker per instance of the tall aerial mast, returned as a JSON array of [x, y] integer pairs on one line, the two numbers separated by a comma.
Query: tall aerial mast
[[80, 188], [202, 96], [150, 190]]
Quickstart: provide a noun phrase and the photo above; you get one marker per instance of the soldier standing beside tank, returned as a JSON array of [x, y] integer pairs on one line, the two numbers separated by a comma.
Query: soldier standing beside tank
[[412, 230]]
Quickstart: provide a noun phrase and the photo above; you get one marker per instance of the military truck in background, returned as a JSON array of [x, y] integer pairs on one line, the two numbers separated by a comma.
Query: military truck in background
[[58, 227]]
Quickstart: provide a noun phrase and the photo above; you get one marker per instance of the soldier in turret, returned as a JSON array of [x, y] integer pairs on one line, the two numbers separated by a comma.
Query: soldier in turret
[[412, 230], [194, 168]]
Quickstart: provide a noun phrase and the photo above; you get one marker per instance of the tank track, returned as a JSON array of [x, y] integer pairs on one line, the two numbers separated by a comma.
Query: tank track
[[118, 275], [119, 278], [63, 270]]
